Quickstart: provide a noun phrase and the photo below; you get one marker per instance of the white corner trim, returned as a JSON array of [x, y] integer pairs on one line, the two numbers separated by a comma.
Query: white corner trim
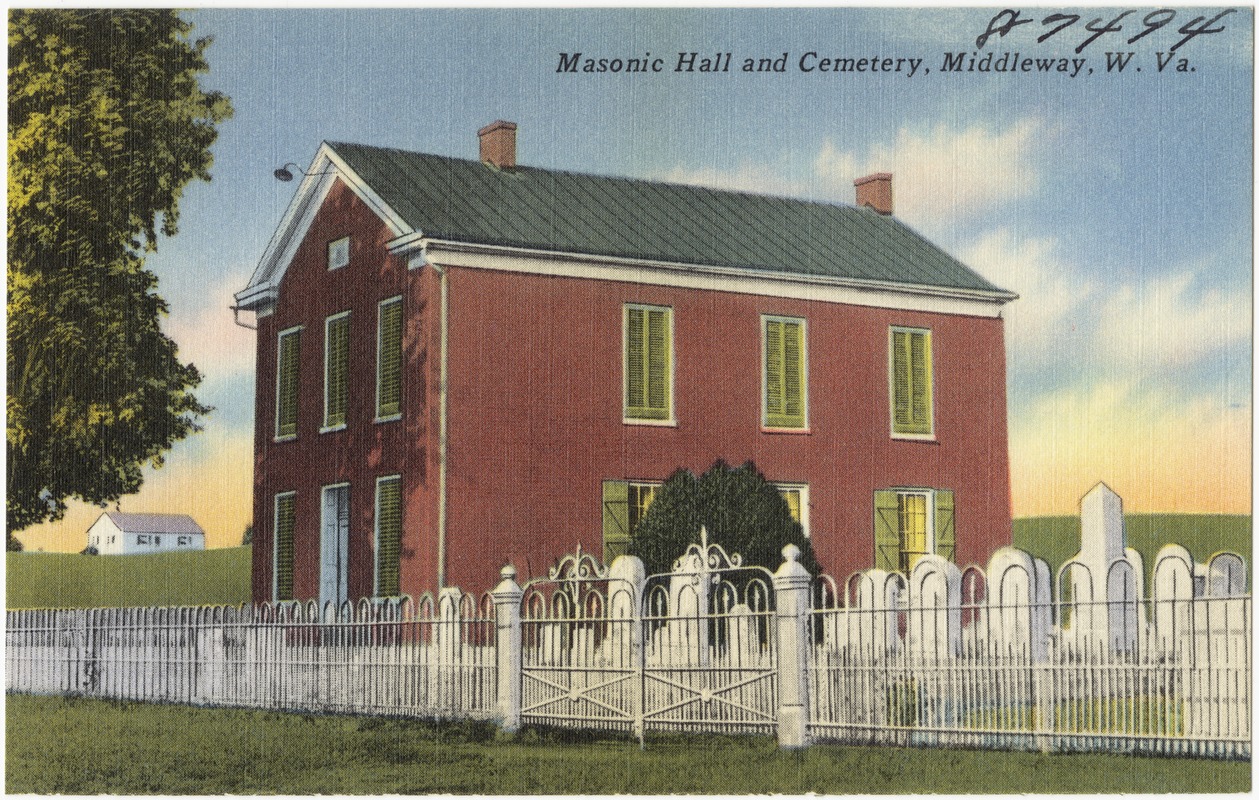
[[901, 297]]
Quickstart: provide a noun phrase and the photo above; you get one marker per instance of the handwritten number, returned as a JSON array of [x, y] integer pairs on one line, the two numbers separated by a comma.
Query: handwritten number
[[1189, 30], [1110, 27], [1011, 17], [1151, 24], [1067, 21]]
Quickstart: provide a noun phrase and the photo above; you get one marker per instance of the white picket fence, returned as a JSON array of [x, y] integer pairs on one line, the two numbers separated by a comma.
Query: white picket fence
[[398, 657], [1006, 657]]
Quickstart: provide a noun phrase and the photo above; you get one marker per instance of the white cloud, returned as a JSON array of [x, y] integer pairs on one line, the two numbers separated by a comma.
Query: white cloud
[[1172, 321], [941, 174], [208, 336], [1052, 292], [944, 173]]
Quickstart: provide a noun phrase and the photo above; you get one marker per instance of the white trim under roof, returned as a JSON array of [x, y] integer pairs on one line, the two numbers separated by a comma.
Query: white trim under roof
[[851, 291], [319, 179]]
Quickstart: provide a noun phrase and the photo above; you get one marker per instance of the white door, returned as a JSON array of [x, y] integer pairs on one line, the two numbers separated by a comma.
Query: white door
[[334, 545]]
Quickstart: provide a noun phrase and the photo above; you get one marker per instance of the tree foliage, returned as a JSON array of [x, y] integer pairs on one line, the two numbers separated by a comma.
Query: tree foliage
[[107, 125], [742, 511]]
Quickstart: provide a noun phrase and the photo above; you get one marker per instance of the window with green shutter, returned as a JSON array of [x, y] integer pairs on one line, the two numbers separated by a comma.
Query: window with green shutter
[[784, 372], [911, 375], [389, 359], [286, 383], [911, 523], [285, 521], [624, 506], [336, 370], [648, 363], [388, 536]]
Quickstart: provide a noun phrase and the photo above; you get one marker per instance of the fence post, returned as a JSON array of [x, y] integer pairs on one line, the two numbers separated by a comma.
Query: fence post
[[507, 622], [791, 590]]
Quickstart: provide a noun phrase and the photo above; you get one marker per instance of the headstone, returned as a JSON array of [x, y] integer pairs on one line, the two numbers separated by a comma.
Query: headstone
[[1101, 529]]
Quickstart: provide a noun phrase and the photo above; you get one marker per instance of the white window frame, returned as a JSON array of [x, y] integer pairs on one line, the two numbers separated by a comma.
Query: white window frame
[[672, 420], [804, 373], [275, 540], [279, 339], [930, 497], [338, 253], [324, 426], [891, 383], [803, 489], [380, 309], [376, 536]]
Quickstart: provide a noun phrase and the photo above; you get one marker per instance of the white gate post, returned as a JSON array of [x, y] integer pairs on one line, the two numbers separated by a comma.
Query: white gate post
[[507, 622], [791, 593]]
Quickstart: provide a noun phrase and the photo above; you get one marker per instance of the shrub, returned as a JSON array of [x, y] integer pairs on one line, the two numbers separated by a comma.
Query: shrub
[[742, 511]]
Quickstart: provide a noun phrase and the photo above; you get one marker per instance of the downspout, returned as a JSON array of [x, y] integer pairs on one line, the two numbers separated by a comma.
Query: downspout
[[442, 404]]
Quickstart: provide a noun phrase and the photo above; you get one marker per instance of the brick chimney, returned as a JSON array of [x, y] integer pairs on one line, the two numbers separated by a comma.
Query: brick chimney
[[875, 191], [498, 144]]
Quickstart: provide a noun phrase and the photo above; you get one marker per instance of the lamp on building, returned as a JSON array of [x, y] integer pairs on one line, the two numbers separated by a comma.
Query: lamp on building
[[285, 174]]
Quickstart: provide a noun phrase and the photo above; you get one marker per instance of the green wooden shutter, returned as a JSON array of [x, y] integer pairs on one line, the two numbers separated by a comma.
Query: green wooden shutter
[[648, 361], [887, 537], [389, 360], [388, 537], [285, 519], [658, 358], [616, 528], [946, 531], [336, 371], [784, 374], [920, 377], [773, 371], [287, 384], [911, 382]]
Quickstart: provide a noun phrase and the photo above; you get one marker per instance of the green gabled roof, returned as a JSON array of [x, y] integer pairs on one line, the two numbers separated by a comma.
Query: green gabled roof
[[566, 212]]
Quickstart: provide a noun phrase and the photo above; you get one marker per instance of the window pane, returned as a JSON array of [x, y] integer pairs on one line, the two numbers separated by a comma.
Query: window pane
[[913, 529], [389, 365], [287, 384]]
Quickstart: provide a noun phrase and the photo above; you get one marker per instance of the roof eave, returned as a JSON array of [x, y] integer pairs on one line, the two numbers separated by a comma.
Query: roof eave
[[434, 246]]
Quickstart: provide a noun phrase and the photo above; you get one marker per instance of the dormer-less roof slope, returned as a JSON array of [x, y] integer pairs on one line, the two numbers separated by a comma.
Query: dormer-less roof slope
[[566, 212], [154, 523]]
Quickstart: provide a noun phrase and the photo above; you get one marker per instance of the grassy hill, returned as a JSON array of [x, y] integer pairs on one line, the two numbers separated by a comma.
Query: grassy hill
[[64, 580], [1056, 539]]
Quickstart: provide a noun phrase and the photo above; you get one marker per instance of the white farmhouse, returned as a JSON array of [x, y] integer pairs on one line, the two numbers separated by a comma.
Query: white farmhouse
[[116, 533]]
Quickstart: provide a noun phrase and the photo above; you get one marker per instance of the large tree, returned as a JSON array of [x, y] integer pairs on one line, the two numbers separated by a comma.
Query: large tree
[[108, 123], [742, 512]]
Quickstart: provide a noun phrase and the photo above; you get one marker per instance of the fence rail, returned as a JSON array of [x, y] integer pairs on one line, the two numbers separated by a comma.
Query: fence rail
[[938, 657]]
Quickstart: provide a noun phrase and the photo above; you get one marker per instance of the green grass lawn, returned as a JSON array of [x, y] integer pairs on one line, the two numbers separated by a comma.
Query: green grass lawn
[[1056, 539], [77, 746], [65, 580]]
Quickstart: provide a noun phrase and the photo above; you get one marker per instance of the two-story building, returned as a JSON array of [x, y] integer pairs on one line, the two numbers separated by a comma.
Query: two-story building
[[463, 363]]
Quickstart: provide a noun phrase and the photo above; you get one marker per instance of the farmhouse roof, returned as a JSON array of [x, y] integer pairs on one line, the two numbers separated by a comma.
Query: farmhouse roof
[[569, 213], [154, 523]]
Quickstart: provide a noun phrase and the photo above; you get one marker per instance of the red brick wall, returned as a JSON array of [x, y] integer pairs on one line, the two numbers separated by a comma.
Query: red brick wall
[[536, 417], [365, 449]]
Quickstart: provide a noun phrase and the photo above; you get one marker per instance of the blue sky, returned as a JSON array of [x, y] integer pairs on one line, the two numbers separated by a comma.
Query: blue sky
[[1118, 205]]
